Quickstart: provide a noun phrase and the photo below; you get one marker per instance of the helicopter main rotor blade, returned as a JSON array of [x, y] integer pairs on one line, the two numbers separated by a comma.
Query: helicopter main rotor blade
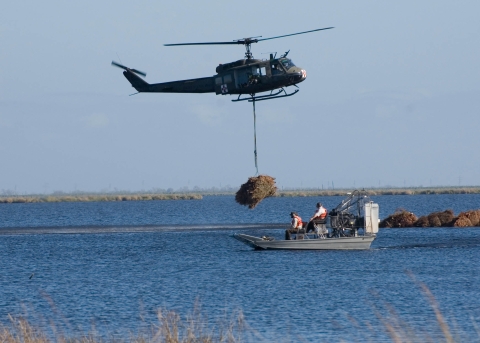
[[247, 41], [126, 68], [293, 34], [206, 43]]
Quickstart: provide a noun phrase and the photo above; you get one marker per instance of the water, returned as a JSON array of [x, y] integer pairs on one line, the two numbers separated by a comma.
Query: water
[[121, 261]]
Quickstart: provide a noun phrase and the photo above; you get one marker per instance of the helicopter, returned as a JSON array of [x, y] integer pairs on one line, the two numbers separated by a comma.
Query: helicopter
[[245, 78]]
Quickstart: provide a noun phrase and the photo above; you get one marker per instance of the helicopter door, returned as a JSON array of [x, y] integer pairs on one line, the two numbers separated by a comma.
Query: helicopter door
[[246, 77], [223, 85], [241, 78]]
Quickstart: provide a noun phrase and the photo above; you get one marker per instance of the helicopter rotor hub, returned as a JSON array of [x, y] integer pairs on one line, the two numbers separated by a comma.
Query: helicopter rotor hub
[[248, 53]]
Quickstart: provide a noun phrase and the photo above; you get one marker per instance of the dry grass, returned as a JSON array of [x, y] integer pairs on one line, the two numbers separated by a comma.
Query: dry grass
[[380, 191], [171, 328], [401, 218], [21, 332], [445, 218], [252, 192], [197, 194], [437, 219], [400, 331], [433, 327], [468, 218]]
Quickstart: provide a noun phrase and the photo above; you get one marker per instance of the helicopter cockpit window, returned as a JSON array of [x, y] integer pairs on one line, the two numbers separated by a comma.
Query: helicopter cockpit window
[[287, 63]]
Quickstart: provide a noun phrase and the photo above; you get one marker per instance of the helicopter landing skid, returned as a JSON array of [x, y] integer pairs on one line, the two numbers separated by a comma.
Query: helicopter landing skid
[[270, 96]]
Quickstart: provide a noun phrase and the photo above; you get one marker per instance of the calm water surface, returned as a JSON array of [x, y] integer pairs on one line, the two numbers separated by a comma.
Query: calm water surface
[[121, 261]]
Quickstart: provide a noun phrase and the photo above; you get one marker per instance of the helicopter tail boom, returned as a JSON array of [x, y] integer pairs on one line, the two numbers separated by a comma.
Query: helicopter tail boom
[[201, 85], [137, 82]]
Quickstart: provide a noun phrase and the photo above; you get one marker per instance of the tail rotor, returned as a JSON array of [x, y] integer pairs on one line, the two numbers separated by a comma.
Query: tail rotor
[[129, 69]]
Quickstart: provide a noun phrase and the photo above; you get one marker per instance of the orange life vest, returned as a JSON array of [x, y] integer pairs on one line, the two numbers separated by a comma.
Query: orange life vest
[[299, 222], [323, 215]]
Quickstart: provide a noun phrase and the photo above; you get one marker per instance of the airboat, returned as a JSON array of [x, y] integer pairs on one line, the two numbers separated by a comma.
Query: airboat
[[352, 225]]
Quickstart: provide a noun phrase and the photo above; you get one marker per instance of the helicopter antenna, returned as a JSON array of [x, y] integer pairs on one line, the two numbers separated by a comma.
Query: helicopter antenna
[[271, 54], [119, 58], [248, 41]]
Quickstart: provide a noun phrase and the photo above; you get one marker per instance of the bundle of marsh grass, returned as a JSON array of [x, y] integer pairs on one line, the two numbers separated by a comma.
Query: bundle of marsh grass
[[444, 218], [401, 218], [422, 222], [255, 190], [467, 219], [436, 219], [462, 221]]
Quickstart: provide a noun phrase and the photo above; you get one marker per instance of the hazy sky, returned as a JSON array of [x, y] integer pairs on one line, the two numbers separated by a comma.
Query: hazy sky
[[392, 95]]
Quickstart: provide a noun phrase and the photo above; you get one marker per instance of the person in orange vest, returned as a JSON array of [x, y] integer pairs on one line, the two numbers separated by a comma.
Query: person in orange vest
[[319, 217], [320, 213], [295, 225]]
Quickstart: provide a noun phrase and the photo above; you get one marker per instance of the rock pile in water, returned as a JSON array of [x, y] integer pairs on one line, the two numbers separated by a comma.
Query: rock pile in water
[[255, 190], [445, 218]]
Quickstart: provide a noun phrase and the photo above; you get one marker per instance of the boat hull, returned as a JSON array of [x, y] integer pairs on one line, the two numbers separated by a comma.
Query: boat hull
[[342, 243]]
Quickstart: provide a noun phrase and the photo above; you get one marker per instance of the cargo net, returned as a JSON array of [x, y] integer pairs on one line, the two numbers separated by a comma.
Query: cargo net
[[257, 188]]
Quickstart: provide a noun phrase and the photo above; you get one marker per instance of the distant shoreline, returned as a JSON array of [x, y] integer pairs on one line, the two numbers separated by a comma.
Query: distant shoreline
[[384, 191], [96, 197], [141, 196]]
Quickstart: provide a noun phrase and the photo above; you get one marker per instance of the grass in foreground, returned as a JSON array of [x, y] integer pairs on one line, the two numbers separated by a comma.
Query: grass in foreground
[[172, 328]]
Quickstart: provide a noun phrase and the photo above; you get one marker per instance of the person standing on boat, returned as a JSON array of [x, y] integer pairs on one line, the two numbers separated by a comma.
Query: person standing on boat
[[295, 225], [319, 218]]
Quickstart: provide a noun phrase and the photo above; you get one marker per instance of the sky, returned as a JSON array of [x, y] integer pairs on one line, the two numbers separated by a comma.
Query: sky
[[392, 95]]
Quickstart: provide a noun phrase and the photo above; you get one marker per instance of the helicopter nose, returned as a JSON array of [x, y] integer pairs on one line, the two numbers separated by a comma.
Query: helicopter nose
[[299, 76]]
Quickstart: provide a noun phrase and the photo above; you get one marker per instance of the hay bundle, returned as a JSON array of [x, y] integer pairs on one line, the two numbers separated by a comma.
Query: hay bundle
[[462, 221], [255, 190], [467, 219], [473, 215], [434, 220], [422, 222], [437, 219], [400, 218]]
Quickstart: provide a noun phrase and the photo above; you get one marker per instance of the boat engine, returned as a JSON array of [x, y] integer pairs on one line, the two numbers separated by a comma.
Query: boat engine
[[357, 212]]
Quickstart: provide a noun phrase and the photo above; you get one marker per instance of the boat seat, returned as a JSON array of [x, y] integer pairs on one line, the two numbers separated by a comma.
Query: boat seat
[[300, 234], [320, 228]]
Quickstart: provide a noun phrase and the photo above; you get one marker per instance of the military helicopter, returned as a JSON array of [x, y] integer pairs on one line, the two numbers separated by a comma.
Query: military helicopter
[[246, 77]]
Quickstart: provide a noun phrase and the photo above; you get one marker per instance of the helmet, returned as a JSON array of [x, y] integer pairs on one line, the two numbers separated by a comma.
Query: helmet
[[319, 204]]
